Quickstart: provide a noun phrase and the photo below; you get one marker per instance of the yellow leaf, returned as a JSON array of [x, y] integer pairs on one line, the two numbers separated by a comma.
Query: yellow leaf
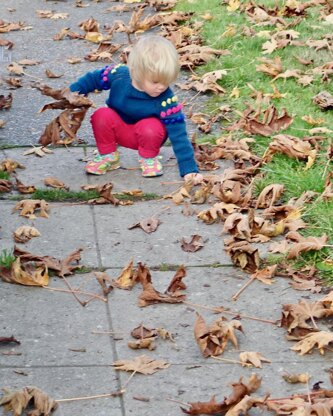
[[94, 37], [229, 32], [235, 93], [207, 16], [309, 163], [233, 5], [313, 121]]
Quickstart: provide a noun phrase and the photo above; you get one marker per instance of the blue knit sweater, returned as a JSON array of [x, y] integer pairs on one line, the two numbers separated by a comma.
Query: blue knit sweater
[[133, 105]]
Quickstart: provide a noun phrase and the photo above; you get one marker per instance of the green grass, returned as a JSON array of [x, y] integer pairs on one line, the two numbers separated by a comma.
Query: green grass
[[60, 195], [7, 258], [4, 175], [241, 66]]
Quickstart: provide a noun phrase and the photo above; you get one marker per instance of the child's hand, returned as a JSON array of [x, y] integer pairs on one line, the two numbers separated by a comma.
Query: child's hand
[[196, 178]]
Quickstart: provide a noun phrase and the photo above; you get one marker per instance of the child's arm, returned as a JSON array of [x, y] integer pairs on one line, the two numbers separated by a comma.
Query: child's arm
[[100, 79], [173, 119]]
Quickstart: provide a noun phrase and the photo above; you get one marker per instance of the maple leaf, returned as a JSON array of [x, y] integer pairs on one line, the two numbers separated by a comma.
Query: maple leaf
[[19, 400], [319, 339], [25, 274], [6, 102], [192, 244], [177, 283], [324, 100], [38, 151], [212, 340], [106, 196], [252, 357], [10, 166], [61, 267], [306, 244], [5, 185], [243, 255], [142, 364], [24, 189], [25, 233], [55, 183], [206, 408], [206, 83], [126, 279], [218, 212], [142, 332], [29, 206], [269, 195], [104, 52], [148, 225], [296, 315], [102, 278]]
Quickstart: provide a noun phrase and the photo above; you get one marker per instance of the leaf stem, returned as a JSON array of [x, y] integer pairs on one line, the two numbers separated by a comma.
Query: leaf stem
[[222, 310]]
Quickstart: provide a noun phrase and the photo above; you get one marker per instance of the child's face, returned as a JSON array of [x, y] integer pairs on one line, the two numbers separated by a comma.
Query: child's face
[[154, 89]]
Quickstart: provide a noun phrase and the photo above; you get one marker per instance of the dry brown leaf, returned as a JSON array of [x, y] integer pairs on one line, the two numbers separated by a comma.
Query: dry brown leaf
[[244, 255], [18, 401], [38, 151], [6, 102], [252, 357], [213, 340], [142, 364], [29, 206], [24, 189], [305, 244], [51, 74], [296, 378], [177, 283], [218, 212], [10, 166], [55, 183], [145, 343], [269, 196], [142, 332], [25, 233], [5, 185], [148, 225], [103, 279], [320, 340], [192, 244], [126, 279], [25, 274], [324, 100]]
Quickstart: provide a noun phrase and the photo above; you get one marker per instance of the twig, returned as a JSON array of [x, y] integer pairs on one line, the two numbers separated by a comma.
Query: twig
[[296, 396], [82, 303], [97, 396], [106, 332], [230, 361], [128, 380], [222, 310], [178, 401], [249, 281], [309, 393], [55, 289]]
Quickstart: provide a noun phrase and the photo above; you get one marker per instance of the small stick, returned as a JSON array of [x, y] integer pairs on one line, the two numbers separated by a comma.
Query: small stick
[[55, 289], [82, 303], [97, 396], [128, 380], [309, 393], [296, 396], [249, 281], [178, 401], [221, 310], [230, 361], [106, 332]]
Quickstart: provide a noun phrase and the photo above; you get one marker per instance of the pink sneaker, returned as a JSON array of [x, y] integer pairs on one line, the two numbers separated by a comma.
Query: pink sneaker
[[103, 163], [151, 166]]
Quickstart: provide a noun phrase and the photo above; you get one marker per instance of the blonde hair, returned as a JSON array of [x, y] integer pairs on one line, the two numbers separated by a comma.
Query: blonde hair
[[154, 58]]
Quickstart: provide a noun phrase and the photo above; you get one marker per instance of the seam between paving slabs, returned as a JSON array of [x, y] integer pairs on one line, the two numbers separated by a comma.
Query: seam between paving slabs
[[107, 309]]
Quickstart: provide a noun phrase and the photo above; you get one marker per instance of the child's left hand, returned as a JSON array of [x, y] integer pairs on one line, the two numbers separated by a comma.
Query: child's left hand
[[196, 178]]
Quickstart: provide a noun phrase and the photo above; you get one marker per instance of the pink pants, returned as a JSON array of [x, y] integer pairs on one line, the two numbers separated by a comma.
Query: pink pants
[[146, 136]]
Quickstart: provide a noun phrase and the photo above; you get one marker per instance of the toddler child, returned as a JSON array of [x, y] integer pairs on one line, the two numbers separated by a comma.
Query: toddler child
[[141, 112]]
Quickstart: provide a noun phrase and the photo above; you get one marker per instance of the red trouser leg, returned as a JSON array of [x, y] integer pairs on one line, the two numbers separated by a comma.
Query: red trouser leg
[[146, 136]]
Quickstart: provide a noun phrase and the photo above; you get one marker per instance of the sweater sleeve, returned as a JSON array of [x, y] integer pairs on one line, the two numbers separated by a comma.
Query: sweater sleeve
[[100, 79], [173, 118]]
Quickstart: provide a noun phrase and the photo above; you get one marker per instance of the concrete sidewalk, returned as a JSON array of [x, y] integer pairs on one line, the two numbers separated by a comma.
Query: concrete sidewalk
[[66, 349]]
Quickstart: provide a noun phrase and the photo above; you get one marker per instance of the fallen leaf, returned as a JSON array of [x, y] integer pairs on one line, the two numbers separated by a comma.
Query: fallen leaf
[[296, 378], [306, 244], [25, 274], [10, 166], [142, 364], [29, 206], [55, 183], [252, 357], [38, 151], [127, 278], [147, 343], [24, 189], [7, 340], [25, 233], [19, 400], [192, 244], [148, 225], [320, 340]]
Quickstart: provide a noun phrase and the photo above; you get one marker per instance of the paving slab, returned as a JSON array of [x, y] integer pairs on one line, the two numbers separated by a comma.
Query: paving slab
[[61, 232], [53, 328], [68, 382]]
